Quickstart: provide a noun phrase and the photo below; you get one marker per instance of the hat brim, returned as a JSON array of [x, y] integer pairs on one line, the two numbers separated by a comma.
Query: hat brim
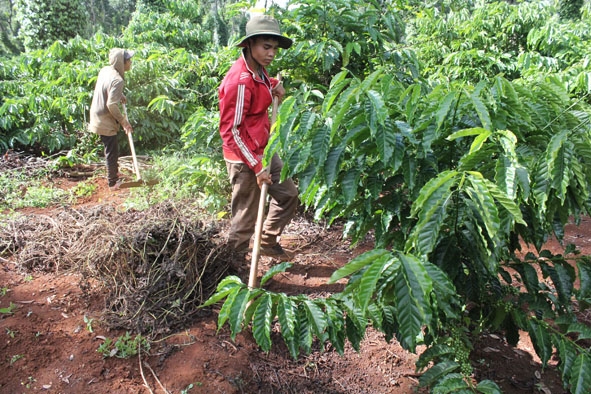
[[284, 42]]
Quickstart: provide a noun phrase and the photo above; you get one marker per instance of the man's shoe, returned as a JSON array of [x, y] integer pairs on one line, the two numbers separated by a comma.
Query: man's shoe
[[116, 186], [275, 251]]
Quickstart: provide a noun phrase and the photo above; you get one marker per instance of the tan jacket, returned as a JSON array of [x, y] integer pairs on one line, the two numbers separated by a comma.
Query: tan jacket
[[105, 115]]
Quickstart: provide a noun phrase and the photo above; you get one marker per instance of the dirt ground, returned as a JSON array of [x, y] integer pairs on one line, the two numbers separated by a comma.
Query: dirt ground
[[46, 345]]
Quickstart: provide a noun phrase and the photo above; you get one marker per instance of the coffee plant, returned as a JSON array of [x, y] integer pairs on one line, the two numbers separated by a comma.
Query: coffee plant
[[449, 169]]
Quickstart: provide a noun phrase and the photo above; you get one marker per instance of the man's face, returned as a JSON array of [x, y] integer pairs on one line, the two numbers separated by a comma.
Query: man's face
[[263, 50], [127, 64]]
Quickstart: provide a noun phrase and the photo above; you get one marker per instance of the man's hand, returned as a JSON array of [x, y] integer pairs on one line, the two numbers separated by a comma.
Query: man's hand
[[127, 127], [279, 91], [123, 99], [264, 177]]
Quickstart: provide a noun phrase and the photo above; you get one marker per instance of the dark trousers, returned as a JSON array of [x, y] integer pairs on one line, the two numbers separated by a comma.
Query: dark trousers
[[245, 200], [111, 157]]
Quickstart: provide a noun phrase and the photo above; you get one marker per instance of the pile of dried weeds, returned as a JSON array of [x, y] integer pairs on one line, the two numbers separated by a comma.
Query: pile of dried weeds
[[157, 265]]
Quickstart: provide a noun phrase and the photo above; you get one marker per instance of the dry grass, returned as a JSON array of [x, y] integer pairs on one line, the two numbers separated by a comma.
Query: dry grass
[[158, 266]]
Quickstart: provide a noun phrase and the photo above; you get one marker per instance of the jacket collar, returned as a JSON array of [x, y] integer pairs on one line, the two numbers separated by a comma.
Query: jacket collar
[[266, 80]]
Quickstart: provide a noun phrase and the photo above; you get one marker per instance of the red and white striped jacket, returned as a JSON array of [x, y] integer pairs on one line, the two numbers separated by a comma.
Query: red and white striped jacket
[[244, 99]]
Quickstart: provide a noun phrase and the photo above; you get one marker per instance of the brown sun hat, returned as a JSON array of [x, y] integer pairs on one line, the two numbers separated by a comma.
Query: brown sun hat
[[265, 25]]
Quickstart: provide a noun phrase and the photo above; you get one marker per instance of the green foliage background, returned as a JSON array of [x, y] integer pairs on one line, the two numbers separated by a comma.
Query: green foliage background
[[44, 21], [451, 131]]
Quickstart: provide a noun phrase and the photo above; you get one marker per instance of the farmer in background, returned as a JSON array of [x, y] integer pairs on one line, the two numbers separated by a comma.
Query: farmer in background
[[245, 95], [105, 114]]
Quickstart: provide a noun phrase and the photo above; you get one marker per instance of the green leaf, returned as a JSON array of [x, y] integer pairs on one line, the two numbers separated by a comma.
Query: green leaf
[[479, 141], [336, 326], [444, 291], [438, 371], [485, 202], [580, 377], [320, 145], [286, 314], [563, 279], [350, 185], [444, 108], [502, 198], [567, 354], [236, 312], [9, 310], [354, 332], [482, 112], [387, 142], [488, 387], [583, 330], [305, 336], [370, 81], [435, 352], [286, 119], [252, 306], [473, 131], [358, 263], [307, 121], [411, 95], [432, 188], [276, 269], [413, 288], [367, 285], [529, 277], [331, 166], [378, 105], [584, 268], [316, 318], [431, 206], [557, 154], [481, 136], [225, 287], [540, 339], [508, 164], [261, 323], [226, 309], [337, 85], [452, 383], [348, 97], [541, 185], [399, 153]]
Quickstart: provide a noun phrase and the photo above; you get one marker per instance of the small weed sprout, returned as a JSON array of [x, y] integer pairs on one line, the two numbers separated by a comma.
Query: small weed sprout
[[88, 321], [84, 189], [11, 333], [189, 387], [15, 358], [124, 347], [8, 310], [29, 382]]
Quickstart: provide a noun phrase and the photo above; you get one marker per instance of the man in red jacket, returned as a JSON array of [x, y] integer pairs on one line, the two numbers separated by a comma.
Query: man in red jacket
[[245, 95]]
